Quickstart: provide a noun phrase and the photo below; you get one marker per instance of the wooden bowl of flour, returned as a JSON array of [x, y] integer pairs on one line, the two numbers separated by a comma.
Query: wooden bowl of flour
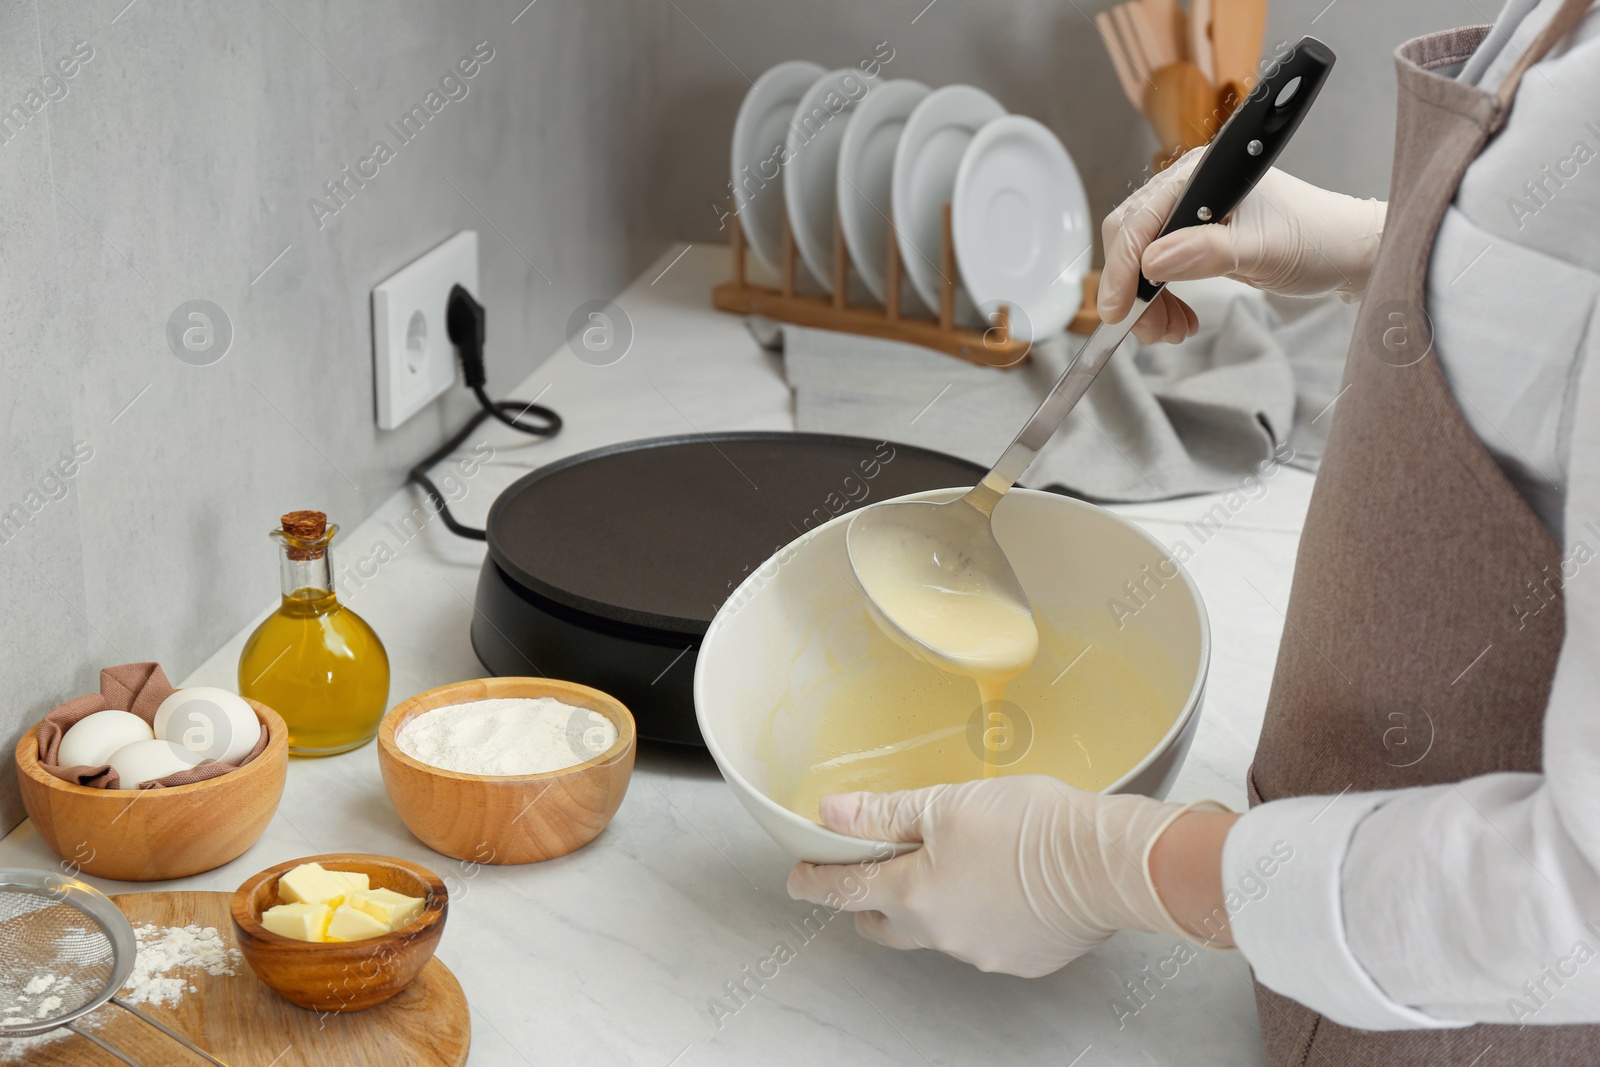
[[507, 819]]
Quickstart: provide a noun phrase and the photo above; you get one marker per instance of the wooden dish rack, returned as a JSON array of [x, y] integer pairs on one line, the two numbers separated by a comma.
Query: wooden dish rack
[[994, 346]]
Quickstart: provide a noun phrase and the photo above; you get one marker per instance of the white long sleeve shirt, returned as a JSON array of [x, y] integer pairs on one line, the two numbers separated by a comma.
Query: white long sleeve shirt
[[1479, 901]]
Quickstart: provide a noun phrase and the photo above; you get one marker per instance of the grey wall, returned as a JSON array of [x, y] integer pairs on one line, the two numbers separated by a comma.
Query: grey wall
[[1042, 58], [176, 166]]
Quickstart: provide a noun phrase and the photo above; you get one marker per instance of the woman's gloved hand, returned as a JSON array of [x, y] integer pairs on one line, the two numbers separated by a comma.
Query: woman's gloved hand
[[1287, 237], [1018, 874]]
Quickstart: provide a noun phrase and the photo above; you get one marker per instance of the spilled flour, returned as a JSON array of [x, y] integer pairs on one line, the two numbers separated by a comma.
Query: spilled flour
[[163, 950], [162, 975]]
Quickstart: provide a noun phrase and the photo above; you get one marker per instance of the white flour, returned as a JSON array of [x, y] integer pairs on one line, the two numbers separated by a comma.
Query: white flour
[[507, 736], [176, 948], [24, 1000]]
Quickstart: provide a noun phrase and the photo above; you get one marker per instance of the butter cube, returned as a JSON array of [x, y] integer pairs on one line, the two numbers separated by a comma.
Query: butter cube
[[303, 922], [350, 924], [309, 883], [392, 909]]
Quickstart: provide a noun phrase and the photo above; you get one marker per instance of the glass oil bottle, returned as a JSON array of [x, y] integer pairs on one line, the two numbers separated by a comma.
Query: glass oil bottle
[[314, 661]]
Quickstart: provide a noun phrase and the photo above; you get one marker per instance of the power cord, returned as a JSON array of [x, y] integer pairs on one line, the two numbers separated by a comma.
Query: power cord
[[464, 322]]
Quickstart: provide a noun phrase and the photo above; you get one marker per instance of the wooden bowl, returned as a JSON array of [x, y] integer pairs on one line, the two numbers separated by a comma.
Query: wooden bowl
[[513, 819], [347, 975], [151, 835]]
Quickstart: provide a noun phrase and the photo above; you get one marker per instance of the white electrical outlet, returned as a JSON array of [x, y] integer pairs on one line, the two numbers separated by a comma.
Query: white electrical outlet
[[411, 349]]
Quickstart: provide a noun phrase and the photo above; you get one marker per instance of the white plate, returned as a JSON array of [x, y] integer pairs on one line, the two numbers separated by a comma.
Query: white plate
[[866, 170], [925, 164], [760, 139], [810, 189], [1021, 225]]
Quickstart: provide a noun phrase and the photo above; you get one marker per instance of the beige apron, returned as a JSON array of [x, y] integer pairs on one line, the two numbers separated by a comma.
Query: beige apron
[[1409, 656]]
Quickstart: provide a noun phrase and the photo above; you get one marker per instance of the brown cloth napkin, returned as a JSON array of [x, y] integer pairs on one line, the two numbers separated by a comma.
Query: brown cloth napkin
[[136, 687]]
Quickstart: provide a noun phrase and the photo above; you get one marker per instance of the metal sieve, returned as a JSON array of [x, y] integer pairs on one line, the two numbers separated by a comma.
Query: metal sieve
[[70, 932]]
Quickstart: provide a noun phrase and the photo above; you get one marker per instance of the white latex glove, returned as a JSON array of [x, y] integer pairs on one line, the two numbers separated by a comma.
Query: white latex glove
[[1018, 874], [1287, 237]]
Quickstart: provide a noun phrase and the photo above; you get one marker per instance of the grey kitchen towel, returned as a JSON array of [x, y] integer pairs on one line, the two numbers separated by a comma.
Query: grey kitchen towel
[[1253, 386]]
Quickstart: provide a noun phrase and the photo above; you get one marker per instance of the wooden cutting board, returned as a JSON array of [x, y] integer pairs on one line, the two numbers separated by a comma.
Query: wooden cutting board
[[243, 1023]]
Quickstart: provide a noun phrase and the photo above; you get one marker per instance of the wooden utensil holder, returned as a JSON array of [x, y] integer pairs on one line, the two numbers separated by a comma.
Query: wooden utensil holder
[[994, 346]]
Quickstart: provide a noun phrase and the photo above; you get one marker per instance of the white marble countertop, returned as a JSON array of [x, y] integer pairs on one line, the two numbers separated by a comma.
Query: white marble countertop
[[616, 954]]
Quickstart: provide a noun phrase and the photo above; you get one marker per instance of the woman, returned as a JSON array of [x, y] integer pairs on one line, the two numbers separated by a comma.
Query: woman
[[1418, 879]]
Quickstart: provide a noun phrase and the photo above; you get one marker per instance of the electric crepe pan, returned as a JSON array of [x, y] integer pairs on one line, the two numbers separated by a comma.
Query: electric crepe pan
[[606, 568]]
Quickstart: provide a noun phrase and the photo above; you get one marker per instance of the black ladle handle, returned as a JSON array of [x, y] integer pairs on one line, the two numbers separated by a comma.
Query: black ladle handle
[[1250, 141]]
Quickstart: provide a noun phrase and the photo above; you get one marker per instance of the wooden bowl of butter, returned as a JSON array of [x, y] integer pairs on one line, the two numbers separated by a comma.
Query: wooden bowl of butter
[[466, 764], [342, 932]]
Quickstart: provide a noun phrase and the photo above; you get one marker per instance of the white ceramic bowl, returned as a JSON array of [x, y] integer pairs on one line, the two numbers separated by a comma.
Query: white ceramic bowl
[[798, 622]]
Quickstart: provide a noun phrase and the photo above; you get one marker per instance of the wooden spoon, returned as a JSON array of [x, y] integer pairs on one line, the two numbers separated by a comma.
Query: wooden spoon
[[1237, 27], [1181, 105], [1132, 80], [1200, 37], [1170, 24]]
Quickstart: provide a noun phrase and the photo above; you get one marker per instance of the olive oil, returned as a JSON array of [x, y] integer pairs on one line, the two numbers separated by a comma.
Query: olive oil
[[314, 661]]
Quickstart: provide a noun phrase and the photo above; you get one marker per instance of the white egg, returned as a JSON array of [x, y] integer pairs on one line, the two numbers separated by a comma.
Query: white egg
[[91, 740], [209, 721], [145, 761]]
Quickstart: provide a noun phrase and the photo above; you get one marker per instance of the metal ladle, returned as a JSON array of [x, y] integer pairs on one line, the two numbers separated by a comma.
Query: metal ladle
[[951, 547]]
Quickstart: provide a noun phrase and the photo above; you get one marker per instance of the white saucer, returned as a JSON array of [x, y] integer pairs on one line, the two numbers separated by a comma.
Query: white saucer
[[1021, 225], [925, 164], [760, 137], [866, 171], [810, 189]]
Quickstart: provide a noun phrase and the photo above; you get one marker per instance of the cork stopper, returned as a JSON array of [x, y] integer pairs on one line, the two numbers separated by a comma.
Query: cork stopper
[[305, 529]]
